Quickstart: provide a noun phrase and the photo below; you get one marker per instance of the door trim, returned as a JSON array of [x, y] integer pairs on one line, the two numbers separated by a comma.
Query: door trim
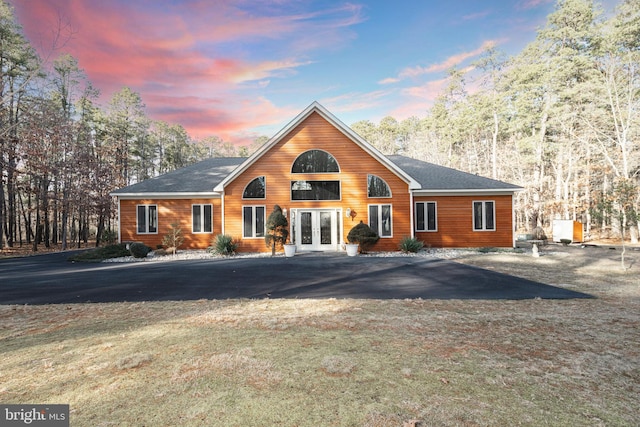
[[336, 229]]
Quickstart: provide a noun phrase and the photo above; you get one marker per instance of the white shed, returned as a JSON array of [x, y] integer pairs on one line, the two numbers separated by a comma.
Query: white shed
[[567, 229]]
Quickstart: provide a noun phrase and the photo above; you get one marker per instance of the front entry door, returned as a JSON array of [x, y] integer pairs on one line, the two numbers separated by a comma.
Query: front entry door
[[316, 230]]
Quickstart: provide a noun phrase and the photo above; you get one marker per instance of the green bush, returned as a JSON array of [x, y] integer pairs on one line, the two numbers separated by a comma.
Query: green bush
[[410, 244], [487, 249], [276, 231], [109, 237], [139, 250], [223, 245], [364, 235], [100, 254]]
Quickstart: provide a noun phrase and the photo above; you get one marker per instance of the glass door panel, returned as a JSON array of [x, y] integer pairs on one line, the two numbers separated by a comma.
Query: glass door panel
[[306, 228]]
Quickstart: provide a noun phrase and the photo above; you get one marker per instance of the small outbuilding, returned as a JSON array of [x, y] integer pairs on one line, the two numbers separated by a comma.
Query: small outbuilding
[[566, 229]]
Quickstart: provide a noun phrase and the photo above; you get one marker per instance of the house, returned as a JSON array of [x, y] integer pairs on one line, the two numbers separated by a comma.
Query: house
[[327, 179]]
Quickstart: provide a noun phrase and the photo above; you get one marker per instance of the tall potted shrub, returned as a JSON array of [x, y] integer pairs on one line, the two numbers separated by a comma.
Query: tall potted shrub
[[277, 230], [364, 236]]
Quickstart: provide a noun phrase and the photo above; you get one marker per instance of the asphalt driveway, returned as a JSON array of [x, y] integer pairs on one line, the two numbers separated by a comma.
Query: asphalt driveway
[[51, 279]]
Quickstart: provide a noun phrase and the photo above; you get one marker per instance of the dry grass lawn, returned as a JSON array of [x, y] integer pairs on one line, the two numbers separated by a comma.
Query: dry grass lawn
[[344, 362]]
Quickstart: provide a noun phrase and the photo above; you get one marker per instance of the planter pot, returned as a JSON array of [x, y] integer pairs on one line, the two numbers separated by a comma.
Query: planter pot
[[289, 250], [352, 249]]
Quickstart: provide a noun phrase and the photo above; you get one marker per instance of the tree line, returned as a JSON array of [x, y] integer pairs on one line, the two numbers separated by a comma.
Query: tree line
[[561, 119], [61, 153]]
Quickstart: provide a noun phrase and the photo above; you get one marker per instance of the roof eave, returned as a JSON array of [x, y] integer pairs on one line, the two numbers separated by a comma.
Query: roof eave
[[465, 191], [167, 195]]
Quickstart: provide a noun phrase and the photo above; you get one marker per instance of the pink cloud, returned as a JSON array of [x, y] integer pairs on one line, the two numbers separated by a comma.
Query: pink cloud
[[452, 61], [186, 59]]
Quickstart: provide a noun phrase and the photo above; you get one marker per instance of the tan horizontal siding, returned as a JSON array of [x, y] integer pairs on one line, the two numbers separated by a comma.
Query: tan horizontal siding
[[169, 211], [455, 222], [355, 164]]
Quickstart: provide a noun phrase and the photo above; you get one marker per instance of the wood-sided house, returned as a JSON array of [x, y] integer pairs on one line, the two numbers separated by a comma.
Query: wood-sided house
[[327, 179]]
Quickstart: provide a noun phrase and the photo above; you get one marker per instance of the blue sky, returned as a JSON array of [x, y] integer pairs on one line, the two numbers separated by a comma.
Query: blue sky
[[239, 69]]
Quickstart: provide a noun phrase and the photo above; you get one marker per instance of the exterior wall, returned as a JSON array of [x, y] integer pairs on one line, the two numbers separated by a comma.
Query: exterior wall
[[455, 222], [355, 164], [169, 211]]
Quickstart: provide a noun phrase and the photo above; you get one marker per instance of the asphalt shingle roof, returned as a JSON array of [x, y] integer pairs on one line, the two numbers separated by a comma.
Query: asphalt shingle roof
[[199, 177], [204, 176], [435, 177]]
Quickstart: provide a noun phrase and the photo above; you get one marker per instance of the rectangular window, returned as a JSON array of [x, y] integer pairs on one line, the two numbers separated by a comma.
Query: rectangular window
[[315, 190], [426, 216], [147, 219], [484, 214], [253, 221], [202, 218], [380, 219]]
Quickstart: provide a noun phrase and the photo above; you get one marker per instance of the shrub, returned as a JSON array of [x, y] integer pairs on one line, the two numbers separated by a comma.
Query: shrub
[[109, 237], [276, 229], [410, 244], [487, 249], [139, 250], [160, 252], [100, 254], [173, 239], [223, 244], [565, 242], [364, 235]]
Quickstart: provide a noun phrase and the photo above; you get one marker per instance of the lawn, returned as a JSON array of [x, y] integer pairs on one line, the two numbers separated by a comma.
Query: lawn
[[343, 362]]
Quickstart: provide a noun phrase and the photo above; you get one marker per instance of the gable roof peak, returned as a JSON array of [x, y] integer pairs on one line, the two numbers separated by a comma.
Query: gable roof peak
[[316, 107]]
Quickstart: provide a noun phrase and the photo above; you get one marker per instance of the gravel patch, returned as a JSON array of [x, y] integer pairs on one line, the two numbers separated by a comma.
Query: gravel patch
[[203, 254]]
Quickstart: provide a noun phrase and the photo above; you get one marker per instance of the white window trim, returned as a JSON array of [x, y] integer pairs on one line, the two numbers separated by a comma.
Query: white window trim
[[291, 199], [484, 216], [256, 198], [314, 173], [202, 205], [426, 230], [379, 230], [385, 182], [146, 215], [253, 222]]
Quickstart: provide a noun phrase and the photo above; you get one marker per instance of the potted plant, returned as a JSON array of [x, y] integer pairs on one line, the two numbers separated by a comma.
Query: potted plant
[[351, 248], [289, 249], [276, 229], [361, 236]]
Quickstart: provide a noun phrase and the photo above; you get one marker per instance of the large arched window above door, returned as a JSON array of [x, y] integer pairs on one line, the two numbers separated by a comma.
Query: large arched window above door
[[315, 161], [256, 189], [377, 187]]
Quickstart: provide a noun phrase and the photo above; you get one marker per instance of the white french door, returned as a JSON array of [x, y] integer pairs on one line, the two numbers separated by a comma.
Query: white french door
[[317, 229]]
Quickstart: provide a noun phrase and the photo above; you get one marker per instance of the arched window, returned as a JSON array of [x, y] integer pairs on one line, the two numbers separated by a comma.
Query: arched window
[[315, 161], [256, 189], [377, 187]]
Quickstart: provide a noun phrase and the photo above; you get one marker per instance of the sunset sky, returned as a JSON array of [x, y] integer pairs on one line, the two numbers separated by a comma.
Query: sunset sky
[[239, 69]]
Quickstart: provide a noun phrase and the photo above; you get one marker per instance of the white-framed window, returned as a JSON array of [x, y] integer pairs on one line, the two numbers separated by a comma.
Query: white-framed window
[[147, 219], [426, 216], [380, 220], [253, 219], [202, 218], [315, 190], [377, 187], [484, 215], [315, 161], [256, 189]]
